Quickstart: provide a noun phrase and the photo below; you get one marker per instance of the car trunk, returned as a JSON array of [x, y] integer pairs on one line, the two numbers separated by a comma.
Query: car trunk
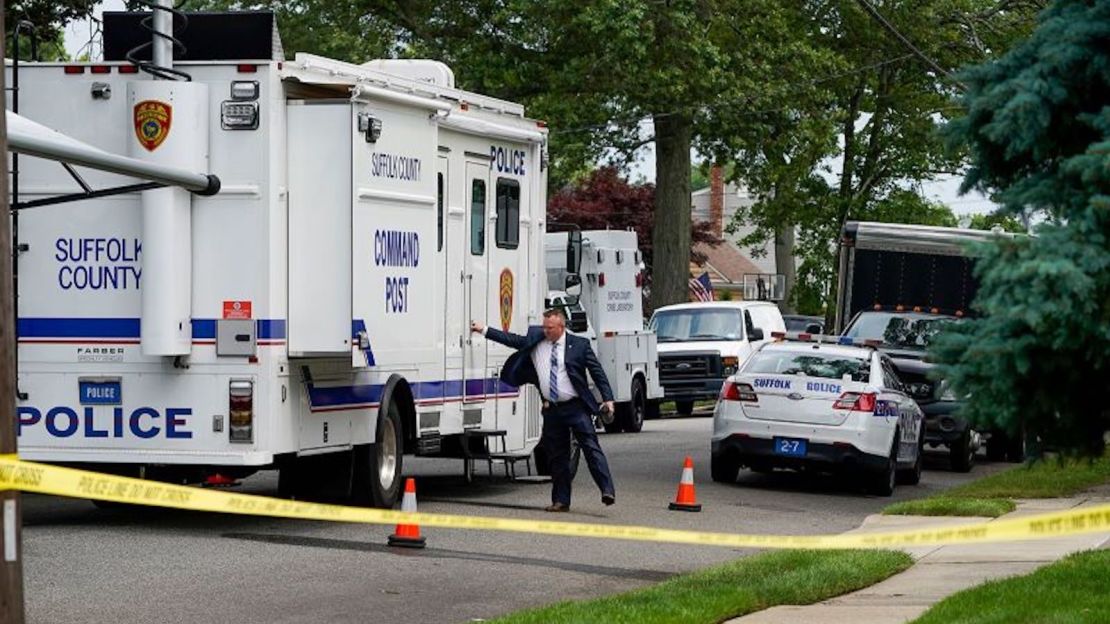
[[797, 399]]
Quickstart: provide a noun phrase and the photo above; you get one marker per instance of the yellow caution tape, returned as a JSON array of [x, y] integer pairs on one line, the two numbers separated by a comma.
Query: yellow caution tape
[[47, 479]]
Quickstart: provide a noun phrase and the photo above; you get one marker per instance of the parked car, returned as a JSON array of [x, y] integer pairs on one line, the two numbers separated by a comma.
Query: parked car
[[701, 344], [819, 404], [804, 323]]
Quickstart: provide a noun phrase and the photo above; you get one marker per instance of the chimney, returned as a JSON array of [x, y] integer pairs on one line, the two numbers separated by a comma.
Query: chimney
[[716, 201]]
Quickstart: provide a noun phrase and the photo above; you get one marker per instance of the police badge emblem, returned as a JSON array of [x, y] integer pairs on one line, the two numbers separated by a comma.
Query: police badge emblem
[[506, 299], [152, 123]]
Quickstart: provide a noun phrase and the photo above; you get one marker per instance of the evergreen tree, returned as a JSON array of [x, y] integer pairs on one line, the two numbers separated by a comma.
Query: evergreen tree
[[1038, 130]]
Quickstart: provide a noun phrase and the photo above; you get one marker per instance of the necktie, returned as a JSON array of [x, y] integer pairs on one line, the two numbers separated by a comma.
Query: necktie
[[553, 380]]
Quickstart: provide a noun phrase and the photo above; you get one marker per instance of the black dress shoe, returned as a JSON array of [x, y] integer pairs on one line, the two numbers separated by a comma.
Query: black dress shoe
[[608, 499], [557, 507]]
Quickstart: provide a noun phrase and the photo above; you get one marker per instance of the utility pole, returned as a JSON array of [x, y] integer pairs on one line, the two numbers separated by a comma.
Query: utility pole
[[11, 564]]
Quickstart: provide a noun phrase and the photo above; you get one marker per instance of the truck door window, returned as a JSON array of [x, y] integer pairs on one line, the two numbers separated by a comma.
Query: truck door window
[[508, 214], [478, 218], [439, 212], [748, 325]]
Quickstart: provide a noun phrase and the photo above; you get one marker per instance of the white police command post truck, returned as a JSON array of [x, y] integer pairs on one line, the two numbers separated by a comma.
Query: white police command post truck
[[313, 315], [610, 312]]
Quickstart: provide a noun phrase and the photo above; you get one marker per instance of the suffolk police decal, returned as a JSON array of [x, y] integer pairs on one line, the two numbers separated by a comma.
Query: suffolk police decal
[[143, 423], [506, 299], [395, 167], [782, 384], [112, 263], [506, 160], [401, 250], [152, 123]]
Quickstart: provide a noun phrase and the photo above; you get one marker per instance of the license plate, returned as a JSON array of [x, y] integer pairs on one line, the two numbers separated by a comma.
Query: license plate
[[100, 392], [791, 447]]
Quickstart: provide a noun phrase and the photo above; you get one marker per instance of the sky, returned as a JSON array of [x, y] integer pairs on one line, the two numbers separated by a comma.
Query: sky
[[946, 190]]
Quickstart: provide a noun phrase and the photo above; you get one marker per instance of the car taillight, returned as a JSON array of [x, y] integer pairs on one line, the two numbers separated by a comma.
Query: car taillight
[[738, 392], [856, 401], [241, 411], [601, 279], [640, 279]]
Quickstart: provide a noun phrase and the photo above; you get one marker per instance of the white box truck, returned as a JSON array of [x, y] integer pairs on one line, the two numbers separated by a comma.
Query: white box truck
[[313, 316], [610, 312]]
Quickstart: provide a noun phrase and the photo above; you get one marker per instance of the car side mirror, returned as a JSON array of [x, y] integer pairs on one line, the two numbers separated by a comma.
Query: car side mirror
[[573, 288], [755, 334]]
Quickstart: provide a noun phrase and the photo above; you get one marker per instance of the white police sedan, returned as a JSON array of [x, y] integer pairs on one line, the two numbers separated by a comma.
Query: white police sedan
[[822, 403]]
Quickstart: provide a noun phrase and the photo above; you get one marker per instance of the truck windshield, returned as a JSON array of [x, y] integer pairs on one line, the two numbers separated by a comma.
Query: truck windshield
[[897, 329], [698, 324], [823, 365]]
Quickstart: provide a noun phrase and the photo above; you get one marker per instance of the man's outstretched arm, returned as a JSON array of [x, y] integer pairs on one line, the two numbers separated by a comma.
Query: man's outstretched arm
[[509, 339]]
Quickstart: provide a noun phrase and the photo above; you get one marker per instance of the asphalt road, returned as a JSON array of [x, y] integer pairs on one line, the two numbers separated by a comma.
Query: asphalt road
[[82, 564]]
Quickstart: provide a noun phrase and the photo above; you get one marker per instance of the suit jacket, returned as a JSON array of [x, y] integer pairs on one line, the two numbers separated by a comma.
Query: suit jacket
[[579, 358]]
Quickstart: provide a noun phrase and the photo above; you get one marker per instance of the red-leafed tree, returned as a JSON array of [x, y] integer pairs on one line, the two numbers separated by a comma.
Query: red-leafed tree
[[605, 200]]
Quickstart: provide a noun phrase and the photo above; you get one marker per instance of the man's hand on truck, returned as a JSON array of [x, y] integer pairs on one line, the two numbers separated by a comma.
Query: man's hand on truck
[[477, 327]]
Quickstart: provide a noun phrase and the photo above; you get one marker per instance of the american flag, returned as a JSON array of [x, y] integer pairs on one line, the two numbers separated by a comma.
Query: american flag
[[701, 287]]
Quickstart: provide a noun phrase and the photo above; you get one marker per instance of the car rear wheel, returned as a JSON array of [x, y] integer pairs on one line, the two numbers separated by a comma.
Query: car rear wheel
[[912, 476], [883, 481], [724, 467], [960, 453]]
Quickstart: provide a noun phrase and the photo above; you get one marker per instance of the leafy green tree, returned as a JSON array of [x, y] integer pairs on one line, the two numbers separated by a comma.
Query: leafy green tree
[[1008, 222], [847, 145], [1038, 131], [44, 20]]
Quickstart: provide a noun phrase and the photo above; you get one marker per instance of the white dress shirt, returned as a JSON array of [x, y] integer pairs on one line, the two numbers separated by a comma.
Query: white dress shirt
[[541, 360]]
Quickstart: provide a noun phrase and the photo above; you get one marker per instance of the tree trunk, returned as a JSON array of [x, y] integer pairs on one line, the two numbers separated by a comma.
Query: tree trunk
[[671, 235], [784, 264]]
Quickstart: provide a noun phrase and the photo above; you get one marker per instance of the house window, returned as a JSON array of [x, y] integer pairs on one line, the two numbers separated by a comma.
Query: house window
[[508, 213], [478, 218]]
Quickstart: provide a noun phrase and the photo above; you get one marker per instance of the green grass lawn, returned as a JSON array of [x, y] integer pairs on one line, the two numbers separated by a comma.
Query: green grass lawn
[[990, 496], [1073, 589], [716, 594]]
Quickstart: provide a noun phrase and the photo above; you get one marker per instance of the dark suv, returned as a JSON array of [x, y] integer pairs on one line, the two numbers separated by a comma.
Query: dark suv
[[905, 337]]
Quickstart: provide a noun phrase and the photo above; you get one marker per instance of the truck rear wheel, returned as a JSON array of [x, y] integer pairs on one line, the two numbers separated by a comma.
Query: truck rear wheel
[[630, 415], [684, 408], [377, 474]]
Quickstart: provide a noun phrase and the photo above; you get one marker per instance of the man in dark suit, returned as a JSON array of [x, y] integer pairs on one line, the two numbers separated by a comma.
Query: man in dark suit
[[556, 363]]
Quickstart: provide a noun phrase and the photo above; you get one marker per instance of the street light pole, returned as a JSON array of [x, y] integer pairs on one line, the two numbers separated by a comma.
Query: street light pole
[[11, 562]]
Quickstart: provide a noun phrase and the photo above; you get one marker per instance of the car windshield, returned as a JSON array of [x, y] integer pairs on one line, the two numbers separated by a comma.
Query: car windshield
[[896, 329], [691, 324], [809, 364]]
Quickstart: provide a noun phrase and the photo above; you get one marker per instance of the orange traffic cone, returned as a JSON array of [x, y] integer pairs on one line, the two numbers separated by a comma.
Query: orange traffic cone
[[408, 535], [685, 499]]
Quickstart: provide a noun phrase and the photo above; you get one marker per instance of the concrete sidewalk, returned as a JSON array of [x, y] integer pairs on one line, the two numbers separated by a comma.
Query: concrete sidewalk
[[939, 571]]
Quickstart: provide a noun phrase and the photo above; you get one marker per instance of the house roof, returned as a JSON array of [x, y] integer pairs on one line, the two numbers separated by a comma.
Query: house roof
[[725, 262]]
